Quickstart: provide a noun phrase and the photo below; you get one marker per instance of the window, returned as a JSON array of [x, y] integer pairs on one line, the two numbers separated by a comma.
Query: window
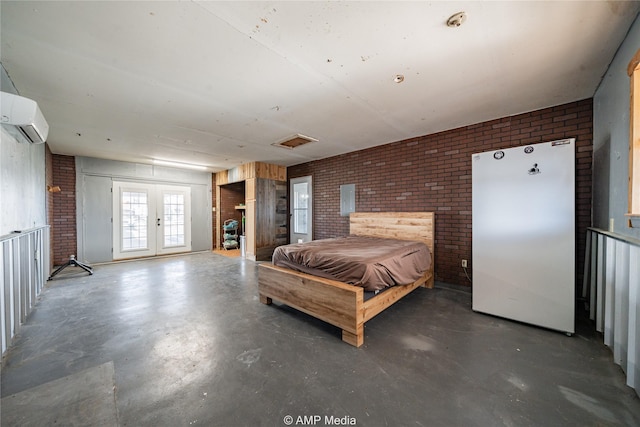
[[634, 142]]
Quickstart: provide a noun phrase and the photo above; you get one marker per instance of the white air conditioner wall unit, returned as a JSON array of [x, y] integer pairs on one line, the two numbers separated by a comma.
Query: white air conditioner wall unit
[[22, 118]]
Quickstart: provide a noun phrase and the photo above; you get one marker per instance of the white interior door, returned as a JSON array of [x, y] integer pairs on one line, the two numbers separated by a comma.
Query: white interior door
[[150, 219], [301, 209], [173, 219]]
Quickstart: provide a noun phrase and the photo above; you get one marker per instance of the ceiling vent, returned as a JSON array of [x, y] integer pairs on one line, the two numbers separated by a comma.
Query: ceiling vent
[[295, 141]]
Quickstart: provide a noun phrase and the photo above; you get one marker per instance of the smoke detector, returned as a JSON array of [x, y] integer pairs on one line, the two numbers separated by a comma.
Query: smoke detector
[[457, 19]]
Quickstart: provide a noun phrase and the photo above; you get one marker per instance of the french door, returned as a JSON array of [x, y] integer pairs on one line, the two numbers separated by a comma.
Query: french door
[[150, 219], [300, 190]]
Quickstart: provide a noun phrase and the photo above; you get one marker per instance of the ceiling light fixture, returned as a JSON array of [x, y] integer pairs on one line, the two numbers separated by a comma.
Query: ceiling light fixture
[[178, 165], [457, 19]]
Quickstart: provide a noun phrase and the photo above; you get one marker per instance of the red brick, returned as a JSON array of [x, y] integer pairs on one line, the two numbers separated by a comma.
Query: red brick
[[63, 209], [437, 175]]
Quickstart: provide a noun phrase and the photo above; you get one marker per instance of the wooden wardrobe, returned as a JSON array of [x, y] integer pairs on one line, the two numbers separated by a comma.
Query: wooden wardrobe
[[265, 207]]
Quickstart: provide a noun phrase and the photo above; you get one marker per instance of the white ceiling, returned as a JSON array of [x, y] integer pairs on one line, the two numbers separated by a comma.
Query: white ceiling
[[217, 83]]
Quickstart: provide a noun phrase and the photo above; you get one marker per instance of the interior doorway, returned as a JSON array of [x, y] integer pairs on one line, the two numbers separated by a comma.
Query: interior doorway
[[232, 207]]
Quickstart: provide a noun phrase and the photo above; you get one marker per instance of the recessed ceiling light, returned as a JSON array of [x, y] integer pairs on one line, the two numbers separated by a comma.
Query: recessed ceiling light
[[457, 19]]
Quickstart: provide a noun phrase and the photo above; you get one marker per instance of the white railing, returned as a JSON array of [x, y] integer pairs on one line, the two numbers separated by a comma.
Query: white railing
[[612, 284], [23, 273]]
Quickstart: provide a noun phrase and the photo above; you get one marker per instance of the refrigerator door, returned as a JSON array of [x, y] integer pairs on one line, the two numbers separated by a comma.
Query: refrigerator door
[[524, 234]]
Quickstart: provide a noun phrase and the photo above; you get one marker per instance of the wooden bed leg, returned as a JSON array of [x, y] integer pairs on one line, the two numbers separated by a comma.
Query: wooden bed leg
[[265, 300], [430, 282], [356, 339]]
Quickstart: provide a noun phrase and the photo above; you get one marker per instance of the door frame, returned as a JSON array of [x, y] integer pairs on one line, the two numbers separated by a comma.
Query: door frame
[[293, 236], [155, 219], [161, 190]]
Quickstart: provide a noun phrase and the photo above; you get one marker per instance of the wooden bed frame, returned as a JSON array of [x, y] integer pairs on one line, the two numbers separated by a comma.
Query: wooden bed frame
[[341, 304]]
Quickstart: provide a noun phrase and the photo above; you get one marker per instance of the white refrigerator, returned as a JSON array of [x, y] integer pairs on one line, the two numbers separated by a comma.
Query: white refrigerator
[[523, 246]]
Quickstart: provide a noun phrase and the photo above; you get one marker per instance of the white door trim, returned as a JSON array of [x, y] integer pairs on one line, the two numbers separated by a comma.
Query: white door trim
[[143, 227], [150, 229], [184, 230], [296, 235]]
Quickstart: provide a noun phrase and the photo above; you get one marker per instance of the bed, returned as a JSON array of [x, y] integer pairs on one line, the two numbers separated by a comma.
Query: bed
[[342, 304]]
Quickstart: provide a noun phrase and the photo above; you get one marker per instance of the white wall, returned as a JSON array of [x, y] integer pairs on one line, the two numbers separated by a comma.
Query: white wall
[[94, 180], [611, 140], [22, 184], [614, 269]]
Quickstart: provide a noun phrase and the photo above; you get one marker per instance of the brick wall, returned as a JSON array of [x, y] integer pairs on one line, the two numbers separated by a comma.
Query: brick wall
[[63, 227], [433, 173], [48, 167], [213, 214]]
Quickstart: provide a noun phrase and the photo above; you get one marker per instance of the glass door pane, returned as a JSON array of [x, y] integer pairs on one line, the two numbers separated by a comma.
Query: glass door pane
[[134, 221], [300, 207], [173, 207]]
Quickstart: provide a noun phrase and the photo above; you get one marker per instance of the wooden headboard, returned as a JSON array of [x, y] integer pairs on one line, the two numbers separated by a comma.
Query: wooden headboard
[[418, 226]]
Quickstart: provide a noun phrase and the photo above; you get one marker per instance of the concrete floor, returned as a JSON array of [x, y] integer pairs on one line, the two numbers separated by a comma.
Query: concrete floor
[[184, 341]]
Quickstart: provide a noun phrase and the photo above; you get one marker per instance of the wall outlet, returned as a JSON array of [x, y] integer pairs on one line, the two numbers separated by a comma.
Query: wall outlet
[[464, 263]]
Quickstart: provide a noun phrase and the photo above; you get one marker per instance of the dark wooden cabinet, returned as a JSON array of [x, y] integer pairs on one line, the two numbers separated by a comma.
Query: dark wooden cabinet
[[271, 217]]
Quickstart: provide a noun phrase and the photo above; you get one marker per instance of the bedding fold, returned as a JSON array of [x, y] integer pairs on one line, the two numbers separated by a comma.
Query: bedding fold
[[370, 262]]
